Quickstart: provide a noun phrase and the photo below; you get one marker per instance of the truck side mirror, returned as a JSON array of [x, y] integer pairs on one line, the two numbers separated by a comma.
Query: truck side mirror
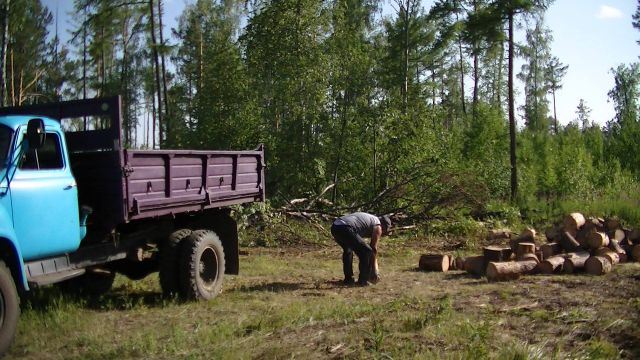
[[35, 133]]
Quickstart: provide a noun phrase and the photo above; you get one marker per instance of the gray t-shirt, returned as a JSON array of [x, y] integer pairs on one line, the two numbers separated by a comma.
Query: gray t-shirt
[[361, 222]]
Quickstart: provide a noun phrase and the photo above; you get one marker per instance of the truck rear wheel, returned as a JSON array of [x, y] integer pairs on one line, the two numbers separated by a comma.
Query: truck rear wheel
[[9, 308], [201, 266], [170, 261]]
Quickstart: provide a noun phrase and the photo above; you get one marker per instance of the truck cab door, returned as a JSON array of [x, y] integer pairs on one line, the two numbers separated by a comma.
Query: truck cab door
[[44, 200]]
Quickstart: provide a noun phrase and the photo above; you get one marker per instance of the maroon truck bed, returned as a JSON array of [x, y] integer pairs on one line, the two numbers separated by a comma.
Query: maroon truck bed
[[122, 185]]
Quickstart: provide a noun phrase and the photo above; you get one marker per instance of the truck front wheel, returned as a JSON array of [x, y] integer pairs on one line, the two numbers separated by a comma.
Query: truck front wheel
[[201, 266], [9, 308]]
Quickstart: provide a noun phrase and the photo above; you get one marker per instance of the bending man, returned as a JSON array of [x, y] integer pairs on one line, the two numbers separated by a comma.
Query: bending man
[[348, 232]]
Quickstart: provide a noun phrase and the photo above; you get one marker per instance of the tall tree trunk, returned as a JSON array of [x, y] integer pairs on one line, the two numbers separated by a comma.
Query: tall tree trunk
[[555, 115], [156, 63], [165, 95], [405, 53], [3, 52], [462, 92], [512, 116]]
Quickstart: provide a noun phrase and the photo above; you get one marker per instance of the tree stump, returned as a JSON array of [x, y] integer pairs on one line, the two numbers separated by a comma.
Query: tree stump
[[597, 265], [525, 248], [611, 255], [434, 262], [569, 243], [475, 265], [596, 240], [510, 270], [496, 253], [574, 261], [551, 264], [550, 249], [573, 222]]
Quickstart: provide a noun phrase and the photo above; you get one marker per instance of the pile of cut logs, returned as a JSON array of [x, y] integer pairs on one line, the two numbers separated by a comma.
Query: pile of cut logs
[[592, 245]]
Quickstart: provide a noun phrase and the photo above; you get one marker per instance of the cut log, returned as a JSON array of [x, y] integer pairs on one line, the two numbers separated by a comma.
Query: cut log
[[475, 265], [495, 234], [509, 270], [574, 262], [615, 246], [596, 240], [434, 262], [459, 263], [633, 237], [573, 222], [618, 235], [551, 264], [569, 243], [635, 252], [496, 253], [525, 248], [527, 235], [452, 262], [550, 249], [611, 255], [597, 265], [583, 234], [612, 223], [553, 234]]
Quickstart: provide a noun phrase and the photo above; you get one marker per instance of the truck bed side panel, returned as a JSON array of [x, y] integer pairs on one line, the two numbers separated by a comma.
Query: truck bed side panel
[[160, 182]]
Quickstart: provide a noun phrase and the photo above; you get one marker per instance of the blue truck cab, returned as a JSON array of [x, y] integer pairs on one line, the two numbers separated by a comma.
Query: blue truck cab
[[39, 211]]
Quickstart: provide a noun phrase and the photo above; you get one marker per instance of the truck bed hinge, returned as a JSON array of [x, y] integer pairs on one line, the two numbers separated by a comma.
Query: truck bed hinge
[[127, 170]]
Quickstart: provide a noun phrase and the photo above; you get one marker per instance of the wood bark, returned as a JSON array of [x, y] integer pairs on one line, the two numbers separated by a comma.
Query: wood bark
[[550, 249], [633, 236], [528, 235], [615, 246], [434, 262], [574, 262], [597, 265], [525, 248], [509, 270], [635, 252], [497, 253], [612, 223], [553, 234], [611, 255], [569, 243], [596, 240], [573, 222], [475, 265], [459, 263], [551, 264]]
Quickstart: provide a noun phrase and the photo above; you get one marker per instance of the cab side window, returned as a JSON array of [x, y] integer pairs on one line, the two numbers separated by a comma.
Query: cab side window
[[48, 157]]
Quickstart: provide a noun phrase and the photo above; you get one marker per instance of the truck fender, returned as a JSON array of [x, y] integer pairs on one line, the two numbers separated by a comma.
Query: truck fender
[[10, 250]]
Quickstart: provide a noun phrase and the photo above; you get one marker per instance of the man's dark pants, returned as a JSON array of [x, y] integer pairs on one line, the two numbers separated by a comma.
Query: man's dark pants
[[351, 242]]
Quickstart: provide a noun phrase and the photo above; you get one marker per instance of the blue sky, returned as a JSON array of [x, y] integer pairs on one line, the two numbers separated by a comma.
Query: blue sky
[[591, 36]]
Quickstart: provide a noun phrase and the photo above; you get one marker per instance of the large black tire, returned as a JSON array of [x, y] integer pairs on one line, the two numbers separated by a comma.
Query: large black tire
[[201, 266], [170, 262], [9, 308], [94, 282]]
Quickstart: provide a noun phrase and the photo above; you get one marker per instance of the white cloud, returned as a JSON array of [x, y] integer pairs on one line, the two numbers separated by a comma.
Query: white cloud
[[609, 12]]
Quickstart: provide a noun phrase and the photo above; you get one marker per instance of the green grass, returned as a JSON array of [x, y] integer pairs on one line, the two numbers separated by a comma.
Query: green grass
[[288, 303]]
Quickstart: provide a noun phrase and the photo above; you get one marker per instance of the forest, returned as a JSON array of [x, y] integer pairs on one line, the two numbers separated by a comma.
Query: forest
[[411, 113]]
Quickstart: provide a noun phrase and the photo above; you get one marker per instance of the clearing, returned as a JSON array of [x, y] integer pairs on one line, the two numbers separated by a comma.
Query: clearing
[[288, 302]]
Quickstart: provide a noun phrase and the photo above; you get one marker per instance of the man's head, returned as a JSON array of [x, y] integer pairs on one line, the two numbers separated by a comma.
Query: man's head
[[385, 221]]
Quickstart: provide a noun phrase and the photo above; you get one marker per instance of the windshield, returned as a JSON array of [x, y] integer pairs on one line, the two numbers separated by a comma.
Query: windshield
[[5, 142]]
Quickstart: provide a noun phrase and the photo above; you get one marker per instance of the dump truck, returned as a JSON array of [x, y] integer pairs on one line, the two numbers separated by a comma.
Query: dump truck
[[76, 208]]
